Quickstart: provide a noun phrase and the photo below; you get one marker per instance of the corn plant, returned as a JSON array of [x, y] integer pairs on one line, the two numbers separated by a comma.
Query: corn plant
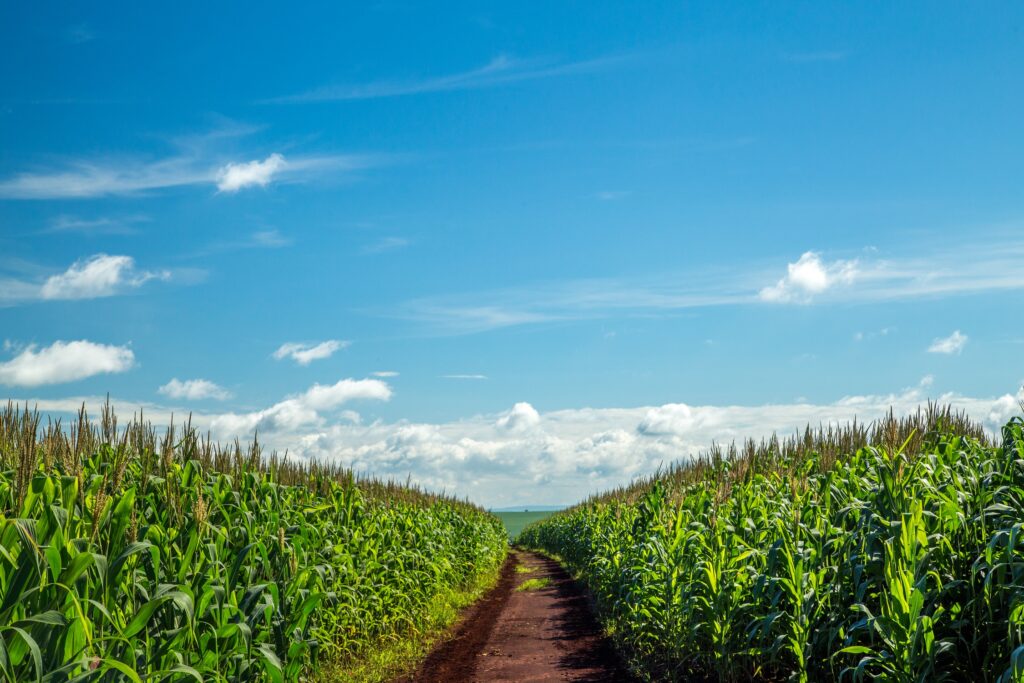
[[128, 558], [892, 551]]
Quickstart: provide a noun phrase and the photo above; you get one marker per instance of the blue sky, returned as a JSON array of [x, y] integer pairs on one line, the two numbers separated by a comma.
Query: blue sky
[[518, 251]]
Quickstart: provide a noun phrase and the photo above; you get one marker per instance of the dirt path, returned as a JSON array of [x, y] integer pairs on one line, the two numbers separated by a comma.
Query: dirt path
[[547, 634]]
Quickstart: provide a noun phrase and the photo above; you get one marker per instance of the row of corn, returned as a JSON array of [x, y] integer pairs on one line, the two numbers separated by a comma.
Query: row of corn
[[124, 557], [901, 561]]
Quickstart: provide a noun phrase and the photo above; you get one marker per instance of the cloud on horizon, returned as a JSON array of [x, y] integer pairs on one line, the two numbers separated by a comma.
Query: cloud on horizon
[[523, 456]]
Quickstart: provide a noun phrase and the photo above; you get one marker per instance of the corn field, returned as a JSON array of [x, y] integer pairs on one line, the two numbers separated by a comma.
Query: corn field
[[128, 557], [893, 552]]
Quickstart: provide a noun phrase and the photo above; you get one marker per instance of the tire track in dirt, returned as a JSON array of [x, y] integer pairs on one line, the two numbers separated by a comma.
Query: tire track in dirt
[[547, 634]]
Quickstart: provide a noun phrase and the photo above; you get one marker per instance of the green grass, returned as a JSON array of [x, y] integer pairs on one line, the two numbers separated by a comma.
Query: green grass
[[534, 584], [400, 657], [522, 569], [891, 552], [515, 522]]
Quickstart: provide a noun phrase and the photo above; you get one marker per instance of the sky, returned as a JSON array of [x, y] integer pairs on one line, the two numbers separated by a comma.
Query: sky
[[518, 252]]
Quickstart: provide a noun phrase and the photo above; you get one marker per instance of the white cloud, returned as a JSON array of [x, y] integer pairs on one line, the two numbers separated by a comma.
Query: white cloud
[[233, 177], [97, 276], [463, 376], [809, 276], [385, 373], [954, 343], [64, 362], [302, 410], [669, 419], [522, 417], [1005, 407], [194, 390], [304, 354]]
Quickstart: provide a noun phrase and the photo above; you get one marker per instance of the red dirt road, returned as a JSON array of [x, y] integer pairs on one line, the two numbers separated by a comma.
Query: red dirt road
[[523, 636]]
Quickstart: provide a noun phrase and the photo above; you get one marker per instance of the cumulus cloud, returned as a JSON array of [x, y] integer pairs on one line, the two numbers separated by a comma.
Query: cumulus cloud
[[809, 276], [97, 276], [1005, 407], [669, 419], [954, 343], [236, 176], [194, 390], [301, 410], [521, 418], [64, 362], [304, 354]]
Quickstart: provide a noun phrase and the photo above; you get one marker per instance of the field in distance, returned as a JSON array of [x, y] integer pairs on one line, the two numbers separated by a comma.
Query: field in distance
[[517, 520]]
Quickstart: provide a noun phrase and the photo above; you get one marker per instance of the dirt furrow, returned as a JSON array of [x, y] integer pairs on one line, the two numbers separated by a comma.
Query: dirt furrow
[[544, 634]]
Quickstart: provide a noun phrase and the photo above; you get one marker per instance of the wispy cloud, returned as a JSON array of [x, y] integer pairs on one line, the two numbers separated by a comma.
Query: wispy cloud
[[499, 71], [196, 160], [304, 354], [464, 376], [270, 238], [385, 373], [953, 344], [811, 279], [386, 244], [64, 362], [104, 225], [194, 390]]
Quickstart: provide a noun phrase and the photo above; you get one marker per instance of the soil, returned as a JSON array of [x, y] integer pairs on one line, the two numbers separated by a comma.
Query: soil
[[548, 634]]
